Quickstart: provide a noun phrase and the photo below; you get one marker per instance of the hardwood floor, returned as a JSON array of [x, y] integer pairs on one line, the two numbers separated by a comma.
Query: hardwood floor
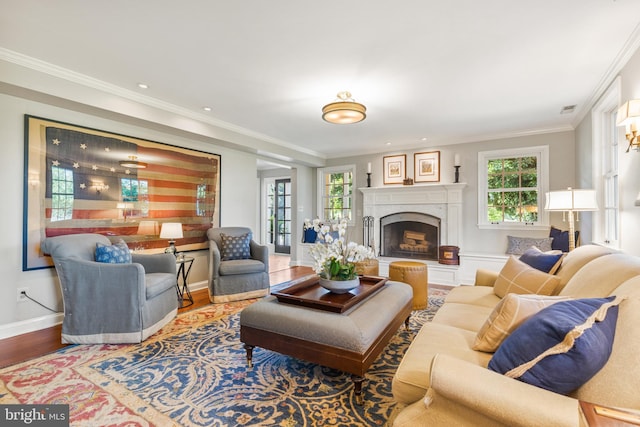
[[34, 344]]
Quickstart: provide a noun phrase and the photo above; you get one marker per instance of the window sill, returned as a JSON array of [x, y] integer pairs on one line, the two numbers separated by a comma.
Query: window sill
[[503, 226]]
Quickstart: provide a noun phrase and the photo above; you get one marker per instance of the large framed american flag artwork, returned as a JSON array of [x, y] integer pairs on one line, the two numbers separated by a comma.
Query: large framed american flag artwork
[[82, 180]]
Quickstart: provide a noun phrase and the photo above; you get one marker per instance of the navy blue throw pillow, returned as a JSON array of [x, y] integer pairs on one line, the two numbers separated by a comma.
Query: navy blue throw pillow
[[548, 262], [562, 346], [560, 240]]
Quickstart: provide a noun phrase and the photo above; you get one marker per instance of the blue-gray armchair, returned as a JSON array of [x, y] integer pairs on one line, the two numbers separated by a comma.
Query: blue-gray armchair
[[238, 266], [111, 303]]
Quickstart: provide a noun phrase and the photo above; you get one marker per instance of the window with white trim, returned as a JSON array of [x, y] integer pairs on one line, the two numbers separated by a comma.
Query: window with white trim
[[511, 187], [606, 221], [335, 193]]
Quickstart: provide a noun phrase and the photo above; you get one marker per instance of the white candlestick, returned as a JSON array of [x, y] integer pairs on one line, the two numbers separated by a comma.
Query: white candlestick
[[369, 167], [456, 160]]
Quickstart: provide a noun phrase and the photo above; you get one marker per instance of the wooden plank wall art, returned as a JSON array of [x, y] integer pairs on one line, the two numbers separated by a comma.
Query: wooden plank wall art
[[81, 180]]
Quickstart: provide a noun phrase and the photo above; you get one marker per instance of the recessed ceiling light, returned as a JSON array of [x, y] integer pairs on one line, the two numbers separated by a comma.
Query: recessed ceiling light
[[206, 108], [143, 86], [388, 143], [424, 138]]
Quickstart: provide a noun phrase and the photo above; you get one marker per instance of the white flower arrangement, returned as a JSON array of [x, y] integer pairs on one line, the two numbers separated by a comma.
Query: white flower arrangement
[[334, 258]]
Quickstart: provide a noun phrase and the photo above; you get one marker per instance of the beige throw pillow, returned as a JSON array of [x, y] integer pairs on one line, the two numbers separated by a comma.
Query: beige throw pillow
[[507, 316], [519, 278]]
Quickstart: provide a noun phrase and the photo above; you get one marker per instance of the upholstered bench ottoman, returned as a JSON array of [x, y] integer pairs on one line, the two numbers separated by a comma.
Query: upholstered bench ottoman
[[349, 341]]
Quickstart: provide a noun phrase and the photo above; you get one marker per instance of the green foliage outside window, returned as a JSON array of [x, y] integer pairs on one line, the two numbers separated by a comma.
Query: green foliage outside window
[[338, 196], [512, 189]]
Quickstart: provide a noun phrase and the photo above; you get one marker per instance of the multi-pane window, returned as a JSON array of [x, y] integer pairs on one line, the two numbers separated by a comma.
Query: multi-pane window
[[336, 193], [512, 187], [606, 221], [271, 212], [512, 193], [61, 193], [201, 200], [136, 190]]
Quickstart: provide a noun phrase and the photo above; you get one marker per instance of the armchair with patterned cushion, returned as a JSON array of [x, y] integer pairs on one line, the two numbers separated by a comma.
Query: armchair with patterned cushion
[[110, 295], [238, 266]]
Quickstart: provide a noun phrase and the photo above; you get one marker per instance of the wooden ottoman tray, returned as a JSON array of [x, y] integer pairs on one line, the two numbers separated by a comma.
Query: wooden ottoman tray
[[349, 341]]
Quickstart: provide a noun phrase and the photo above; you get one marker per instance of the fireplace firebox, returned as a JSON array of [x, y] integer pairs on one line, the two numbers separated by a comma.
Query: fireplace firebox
[[410, 235]]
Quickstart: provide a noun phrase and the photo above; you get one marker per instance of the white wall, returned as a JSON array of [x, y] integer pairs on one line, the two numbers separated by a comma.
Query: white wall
[[561, 171], [238, 205]]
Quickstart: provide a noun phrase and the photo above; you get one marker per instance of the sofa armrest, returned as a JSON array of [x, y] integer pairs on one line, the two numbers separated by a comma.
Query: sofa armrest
[[261, 253], [497, 397], [156, 263], [98, 285], [486, 277], [214, 260]]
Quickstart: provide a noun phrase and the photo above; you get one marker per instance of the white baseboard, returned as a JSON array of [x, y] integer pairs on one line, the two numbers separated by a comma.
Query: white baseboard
[[31, 325]]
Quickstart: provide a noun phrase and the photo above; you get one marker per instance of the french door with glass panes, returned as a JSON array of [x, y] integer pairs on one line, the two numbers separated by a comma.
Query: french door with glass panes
[[282, 232]]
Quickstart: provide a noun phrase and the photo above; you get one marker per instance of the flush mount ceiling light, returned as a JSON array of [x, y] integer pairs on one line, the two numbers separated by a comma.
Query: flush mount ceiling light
[[133, 163], [344, 111]]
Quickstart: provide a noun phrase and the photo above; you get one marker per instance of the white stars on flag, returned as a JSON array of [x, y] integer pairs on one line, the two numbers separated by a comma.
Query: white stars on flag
[[56, 141], [83, 185], [107, 149], [76, 165], [112, 169], [55, 163], [94, 167], [83, 146]]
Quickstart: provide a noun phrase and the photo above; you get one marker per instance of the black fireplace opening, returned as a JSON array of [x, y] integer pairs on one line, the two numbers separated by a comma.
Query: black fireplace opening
[[410, 235]]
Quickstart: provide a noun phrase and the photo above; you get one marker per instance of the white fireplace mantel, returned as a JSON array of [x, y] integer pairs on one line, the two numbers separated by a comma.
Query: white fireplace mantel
[[440, 200]]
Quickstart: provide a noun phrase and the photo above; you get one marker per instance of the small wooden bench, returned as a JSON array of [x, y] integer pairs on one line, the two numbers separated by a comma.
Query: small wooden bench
[[349, 341]]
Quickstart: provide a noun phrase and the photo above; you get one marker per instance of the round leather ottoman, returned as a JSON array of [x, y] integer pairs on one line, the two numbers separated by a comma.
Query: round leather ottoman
[[368, 267], [416, 275]]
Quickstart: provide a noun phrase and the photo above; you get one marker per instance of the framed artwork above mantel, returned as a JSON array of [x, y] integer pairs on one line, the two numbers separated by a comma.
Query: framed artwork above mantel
[[395, 169], [426, 167], [83, 180]]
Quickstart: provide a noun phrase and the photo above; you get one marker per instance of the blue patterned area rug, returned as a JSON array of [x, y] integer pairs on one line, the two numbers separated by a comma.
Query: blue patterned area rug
[[194, 373], [200, 377]]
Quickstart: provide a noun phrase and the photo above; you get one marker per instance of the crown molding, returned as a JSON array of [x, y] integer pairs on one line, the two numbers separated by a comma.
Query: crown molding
[[93, 83], [627, 51]]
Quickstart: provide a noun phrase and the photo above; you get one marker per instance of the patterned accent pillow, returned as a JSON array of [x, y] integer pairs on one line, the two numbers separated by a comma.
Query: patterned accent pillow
[[517, 245], [235, 247], [562, 347], [510, 313], [519, 278], [118, 253]]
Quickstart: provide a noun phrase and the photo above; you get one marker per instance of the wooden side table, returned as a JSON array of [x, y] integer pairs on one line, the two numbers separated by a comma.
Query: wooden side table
[[602, 416], [184, 267]]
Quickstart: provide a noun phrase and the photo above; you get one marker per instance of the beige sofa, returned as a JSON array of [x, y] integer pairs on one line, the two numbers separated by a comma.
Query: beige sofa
[[443, 381]]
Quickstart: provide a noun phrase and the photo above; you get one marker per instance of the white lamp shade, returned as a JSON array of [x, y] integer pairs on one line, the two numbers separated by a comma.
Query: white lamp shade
[[171, 230], [628, 113], [571, 200]]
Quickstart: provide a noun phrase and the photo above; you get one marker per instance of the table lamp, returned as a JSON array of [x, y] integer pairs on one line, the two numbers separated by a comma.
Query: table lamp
[[571, 201], [171, 231]]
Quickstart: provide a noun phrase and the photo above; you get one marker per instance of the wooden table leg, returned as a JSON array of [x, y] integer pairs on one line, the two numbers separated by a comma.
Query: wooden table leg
[[357, 388], [249, 349]]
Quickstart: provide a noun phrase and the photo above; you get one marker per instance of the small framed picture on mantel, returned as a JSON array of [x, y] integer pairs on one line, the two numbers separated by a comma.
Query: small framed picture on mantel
[[395, 169], [427, 166]]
